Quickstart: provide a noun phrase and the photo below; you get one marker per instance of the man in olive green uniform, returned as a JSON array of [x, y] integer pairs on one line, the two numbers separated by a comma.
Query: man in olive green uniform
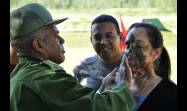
[[38, 83]]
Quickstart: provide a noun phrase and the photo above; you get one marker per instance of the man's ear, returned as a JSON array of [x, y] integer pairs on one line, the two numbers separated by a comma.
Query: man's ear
[[38, 45]]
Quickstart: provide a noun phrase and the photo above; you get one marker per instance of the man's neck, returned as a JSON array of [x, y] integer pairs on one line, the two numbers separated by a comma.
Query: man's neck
[[33, 56]]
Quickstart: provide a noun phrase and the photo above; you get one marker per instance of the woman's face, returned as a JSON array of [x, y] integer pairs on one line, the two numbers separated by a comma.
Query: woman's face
[[141, 53]]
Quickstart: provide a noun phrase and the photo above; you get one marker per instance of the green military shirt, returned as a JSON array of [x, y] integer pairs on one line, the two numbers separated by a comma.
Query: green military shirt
[[45, 86]]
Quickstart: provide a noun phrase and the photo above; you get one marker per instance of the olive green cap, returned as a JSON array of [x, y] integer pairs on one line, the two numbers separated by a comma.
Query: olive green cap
[[29, 18]]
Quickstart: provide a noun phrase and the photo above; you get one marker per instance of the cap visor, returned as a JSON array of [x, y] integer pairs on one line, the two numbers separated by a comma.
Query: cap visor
[[55, 22]]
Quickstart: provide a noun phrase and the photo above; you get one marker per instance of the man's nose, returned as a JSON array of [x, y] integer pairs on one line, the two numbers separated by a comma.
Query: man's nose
[[103, 40]]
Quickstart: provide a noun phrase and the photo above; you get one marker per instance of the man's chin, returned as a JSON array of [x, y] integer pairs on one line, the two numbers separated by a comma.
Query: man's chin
[[108, 51], [105, 56], [60, 60]]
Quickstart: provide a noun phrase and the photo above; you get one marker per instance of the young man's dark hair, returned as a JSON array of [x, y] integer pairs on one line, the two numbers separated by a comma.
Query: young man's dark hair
[[106, 18]]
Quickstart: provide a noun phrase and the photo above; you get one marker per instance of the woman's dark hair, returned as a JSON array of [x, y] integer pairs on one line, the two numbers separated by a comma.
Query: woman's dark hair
[[106, 18], [163, 64]]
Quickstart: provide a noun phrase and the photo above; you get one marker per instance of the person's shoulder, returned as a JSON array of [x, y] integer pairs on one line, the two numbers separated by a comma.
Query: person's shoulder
[[89, 60], [162, 98], [168, 84], [35, 64], [167, 90], [46, 70], [51, 65], [85, 65]]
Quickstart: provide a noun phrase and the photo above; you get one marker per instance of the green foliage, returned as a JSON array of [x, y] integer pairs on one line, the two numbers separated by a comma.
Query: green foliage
[[99, 4]]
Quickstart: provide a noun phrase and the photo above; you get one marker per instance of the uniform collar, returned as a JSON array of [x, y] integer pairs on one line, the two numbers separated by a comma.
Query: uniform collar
[[25, 59]]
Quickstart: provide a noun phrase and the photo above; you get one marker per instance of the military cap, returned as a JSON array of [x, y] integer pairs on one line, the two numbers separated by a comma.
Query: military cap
[[29, 18]]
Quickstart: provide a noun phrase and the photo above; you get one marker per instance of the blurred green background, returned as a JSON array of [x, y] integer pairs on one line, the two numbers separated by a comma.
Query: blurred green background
[[76, 30]]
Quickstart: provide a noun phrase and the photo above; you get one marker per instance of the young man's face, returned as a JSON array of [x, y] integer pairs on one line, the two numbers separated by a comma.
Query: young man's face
[[106, 41], [54, 45]]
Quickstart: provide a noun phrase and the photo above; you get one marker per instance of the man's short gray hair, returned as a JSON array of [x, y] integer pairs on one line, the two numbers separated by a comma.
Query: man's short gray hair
[[23, 45]]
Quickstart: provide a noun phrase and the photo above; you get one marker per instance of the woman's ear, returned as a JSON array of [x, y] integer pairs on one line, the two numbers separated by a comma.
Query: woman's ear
[[38, 45], [157, 53]]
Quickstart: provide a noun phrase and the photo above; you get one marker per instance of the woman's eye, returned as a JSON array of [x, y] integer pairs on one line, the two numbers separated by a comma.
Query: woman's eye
[[138, 46]]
